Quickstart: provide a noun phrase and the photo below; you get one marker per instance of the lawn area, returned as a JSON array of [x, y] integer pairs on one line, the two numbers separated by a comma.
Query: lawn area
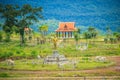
[[12, 49], [80, 65], [30, 51]]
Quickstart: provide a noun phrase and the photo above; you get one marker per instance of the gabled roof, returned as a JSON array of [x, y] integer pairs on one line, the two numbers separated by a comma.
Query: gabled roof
[[27, 29], [66, 26]]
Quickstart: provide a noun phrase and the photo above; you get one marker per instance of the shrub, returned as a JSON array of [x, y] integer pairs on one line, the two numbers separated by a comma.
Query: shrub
[[105, 40], [18, 52], [10, 54], [1, 37], [6, 55], [7, 39], [4, 75], [88, 55], [33, 54], [23, 55], [3, 56]]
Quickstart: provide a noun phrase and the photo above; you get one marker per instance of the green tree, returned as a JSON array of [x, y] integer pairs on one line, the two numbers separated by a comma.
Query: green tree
[[92, 33], [108, 32], [9, 13], [1, 37], [117, 35], [86, 36], [105, 40], [27, 16], [19, 16], [1, 33], [43, 30], [76, 37], [79, 30]]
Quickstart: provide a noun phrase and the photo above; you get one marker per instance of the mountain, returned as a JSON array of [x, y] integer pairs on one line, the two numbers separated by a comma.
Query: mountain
[[97, 13]]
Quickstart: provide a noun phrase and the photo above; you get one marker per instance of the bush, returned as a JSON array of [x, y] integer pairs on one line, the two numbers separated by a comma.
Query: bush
[[7, 39], [23, 55], [34, 54], [18, 52], [10, 54], [4, 75], [1, 37], [88, 55], [6, 55], [105, 40]]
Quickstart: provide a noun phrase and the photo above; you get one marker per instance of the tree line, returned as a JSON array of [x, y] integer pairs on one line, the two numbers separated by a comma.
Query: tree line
[[92, 32], [16, 18]]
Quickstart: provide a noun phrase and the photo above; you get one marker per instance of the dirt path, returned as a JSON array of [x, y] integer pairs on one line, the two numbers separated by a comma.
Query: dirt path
[[65, 78]]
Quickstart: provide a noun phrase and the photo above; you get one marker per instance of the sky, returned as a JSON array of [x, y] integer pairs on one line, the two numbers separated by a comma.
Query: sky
[[97, 13]]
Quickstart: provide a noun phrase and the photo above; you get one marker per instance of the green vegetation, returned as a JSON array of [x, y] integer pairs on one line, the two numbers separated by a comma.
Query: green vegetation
[[12, 49], [35, 64], [4, 75], [18, 18], [18, 42]]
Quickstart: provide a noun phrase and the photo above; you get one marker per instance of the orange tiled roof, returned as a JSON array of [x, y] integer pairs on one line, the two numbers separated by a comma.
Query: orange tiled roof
[[66, 26], [26, 29]]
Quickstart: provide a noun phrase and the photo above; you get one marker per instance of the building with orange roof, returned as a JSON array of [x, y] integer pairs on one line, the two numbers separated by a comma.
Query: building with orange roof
[[65, 30]]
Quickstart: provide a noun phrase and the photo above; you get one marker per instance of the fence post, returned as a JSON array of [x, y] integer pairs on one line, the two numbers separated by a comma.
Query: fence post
[[84, 78]]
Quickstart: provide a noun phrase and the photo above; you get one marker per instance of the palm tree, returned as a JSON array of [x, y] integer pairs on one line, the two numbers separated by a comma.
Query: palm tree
[[79, 30], [92, 33], [108, 32], [76, 37], [86, 36], [117, 35], [43, 30]]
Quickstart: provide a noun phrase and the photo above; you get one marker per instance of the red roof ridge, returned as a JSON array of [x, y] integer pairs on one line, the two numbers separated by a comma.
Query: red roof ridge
[[66, 26]]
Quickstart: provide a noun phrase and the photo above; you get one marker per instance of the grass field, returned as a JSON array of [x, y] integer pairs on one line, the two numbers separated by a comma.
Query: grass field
[[68, 48], [81, 65]]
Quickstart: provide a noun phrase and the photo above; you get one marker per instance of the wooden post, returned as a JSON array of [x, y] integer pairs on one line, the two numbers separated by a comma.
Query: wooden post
[[71, 35], [59, 34], [65, 35], [84, 78], [68, 35]]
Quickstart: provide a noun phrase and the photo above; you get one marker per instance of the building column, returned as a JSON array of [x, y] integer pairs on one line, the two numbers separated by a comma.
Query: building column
[[62, 34], [65, 34], [68, 34], [71, 34], [59, 34]]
